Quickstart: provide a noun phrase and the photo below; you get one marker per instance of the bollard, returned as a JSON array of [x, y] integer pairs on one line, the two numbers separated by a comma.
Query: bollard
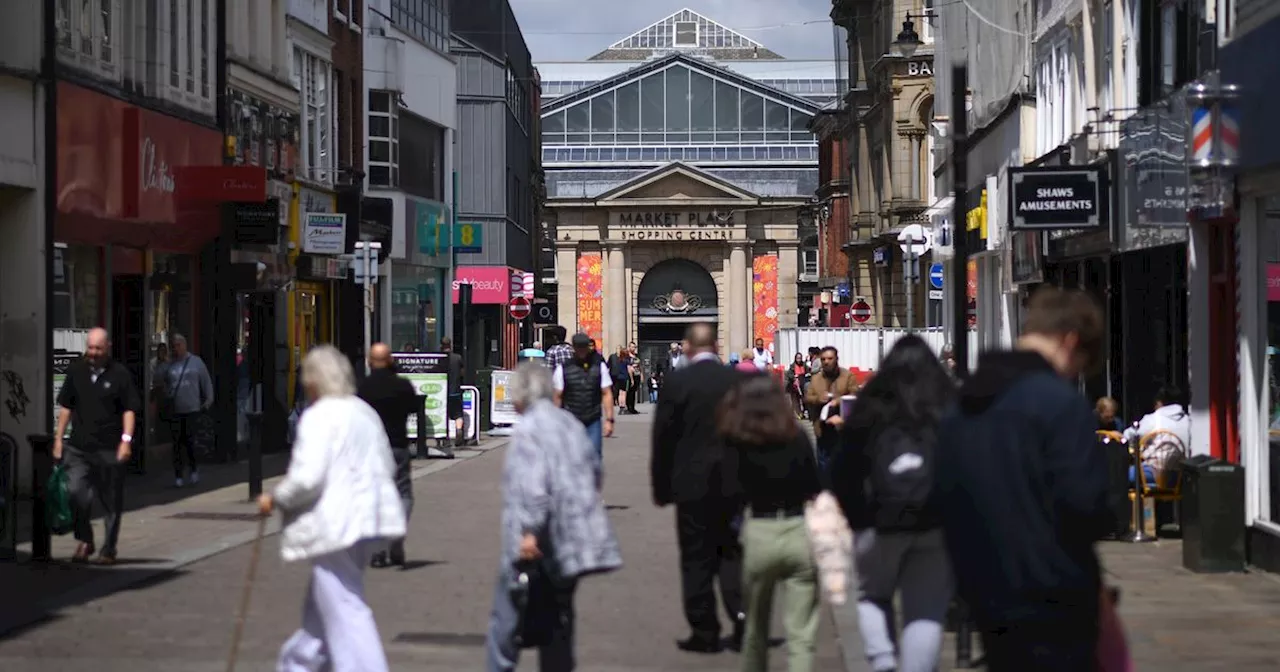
[[41, 468], [255, 454], [1139, 506], [964, 637]]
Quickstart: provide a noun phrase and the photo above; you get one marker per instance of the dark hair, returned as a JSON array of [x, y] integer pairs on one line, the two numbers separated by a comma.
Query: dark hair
[[911, 389], [1170, 394], [1059, 312], [756, 412], [557, 334], [446, 343], [830, 348]]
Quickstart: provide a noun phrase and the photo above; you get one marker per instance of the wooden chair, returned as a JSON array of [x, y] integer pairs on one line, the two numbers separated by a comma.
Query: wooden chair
[[1109, 435], [1165, 467]]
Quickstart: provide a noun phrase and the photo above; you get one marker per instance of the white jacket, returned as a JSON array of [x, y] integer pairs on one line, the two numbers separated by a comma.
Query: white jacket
[[340, 488], [1172, 418]]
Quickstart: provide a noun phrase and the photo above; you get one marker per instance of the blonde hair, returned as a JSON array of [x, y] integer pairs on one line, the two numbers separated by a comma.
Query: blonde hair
[[747, 355], [326, 372]]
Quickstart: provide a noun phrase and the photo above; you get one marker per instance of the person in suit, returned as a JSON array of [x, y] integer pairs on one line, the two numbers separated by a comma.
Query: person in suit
[[394, 399], [688, 469]]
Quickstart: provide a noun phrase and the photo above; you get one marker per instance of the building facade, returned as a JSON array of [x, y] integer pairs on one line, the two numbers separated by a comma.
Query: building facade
[[887, 116], [410, 87], [680, 175]]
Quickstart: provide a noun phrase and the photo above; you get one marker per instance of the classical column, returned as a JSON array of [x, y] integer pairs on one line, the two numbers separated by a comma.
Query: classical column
[[615, 299], [738, 307], [567, 286]]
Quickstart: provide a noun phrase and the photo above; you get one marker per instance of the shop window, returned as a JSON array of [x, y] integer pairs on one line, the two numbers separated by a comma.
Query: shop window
[[77, 278], [384, 139]]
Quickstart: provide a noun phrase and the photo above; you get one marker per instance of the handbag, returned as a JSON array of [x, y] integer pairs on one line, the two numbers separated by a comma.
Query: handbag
[[165, 407], [534, 596], [831, 543], [57, 501]]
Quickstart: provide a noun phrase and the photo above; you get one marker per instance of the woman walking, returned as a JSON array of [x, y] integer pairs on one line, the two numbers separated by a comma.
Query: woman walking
[[883, 477], [340, 506], [797, 378], [776, 467], [554, 526]]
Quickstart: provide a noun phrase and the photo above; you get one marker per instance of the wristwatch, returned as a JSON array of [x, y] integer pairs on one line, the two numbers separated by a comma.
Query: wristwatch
[[126, 438]]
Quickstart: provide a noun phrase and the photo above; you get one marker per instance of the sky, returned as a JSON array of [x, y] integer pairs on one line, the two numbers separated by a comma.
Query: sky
[[573, 30]]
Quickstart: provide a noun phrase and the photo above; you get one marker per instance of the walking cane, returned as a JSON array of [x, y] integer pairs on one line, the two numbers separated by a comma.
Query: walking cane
[[248, 591]]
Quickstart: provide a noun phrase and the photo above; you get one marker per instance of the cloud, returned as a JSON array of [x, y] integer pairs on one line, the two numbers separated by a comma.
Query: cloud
[[573, 30]]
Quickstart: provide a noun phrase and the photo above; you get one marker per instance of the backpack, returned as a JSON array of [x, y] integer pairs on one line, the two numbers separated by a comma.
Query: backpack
[[902, 467]]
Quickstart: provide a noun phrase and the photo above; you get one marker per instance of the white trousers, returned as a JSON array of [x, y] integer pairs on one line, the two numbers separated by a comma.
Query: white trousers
[[338, 631]]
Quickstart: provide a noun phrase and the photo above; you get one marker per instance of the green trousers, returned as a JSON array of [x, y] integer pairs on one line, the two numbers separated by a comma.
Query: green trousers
[[776, 551]]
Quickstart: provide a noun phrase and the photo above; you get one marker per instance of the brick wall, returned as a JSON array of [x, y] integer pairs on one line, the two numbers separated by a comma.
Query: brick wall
[[348, 63]]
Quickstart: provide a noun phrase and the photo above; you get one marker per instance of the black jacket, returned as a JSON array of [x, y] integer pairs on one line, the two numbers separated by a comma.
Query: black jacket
[[1022, 489], [394, 399], [687, 463]]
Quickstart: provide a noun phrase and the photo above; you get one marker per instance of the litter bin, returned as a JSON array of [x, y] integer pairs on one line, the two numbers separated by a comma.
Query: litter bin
[[1213, 531], [1118, 463]]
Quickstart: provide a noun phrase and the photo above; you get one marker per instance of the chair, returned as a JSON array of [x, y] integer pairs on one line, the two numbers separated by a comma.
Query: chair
[[1105, 435], [1163, 451]]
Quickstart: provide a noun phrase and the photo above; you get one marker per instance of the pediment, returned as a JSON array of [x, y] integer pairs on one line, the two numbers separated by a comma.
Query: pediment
[[678, 182]]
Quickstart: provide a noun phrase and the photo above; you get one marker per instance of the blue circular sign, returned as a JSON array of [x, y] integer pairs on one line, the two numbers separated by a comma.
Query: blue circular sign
[[935, 276]]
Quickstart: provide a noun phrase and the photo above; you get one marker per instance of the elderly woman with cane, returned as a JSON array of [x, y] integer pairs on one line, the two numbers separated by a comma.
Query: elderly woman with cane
[[554, 528], [340, 506]]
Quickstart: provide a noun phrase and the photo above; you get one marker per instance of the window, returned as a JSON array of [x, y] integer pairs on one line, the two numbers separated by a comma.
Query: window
[[686, 33], [926, 22], [174, 54], [342, 10], [313, 76], [384, 139], [809, 263], [426, 20], [88, 35], [421, 157]]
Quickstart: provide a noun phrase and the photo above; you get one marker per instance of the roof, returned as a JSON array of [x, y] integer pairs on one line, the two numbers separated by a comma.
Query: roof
[[669, 34], [695, 64], [594, 71]]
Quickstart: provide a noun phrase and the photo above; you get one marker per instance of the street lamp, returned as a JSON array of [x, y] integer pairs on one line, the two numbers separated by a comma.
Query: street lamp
[[908, 40]]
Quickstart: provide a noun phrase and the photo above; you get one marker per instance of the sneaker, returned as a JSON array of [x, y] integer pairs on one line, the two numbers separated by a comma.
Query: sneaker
[[177, 483], [195, 477]]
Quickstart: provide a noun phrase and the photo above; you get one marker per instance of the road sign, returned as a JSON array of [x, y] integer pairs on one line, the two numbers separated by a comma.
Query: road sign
[[935, 295], [935, 276], [860, 311], [915, 239], [519, 308]]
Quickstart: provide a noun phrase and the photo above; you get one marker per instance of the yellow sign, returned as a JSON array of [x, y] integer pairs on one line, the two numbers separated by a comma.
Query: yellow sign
[[976, 219]]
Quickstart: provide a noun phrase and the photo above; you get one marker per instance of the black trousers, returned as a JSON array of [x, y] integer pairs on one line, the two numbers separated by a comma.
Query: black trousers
[[404, 484], [1065, 642], [709, 551], [183, 430], [96, 474]]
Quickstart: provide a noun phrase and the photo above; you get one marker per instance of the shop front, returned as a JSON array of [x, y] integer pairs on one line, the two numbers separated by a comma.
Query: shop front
[[489, 337], [419, 274], [318, 232]]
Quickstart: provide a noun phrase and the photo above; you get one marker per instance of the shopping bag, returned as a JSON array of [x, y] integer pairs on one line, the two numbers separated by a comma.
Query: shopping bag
[[831, 542], [534, 596], [57, 501]]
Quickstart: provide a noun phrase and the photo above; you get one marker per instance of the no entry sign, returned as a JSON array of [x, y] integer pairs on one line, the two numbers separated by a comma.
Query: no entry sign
[[860, 312], [519, 308]]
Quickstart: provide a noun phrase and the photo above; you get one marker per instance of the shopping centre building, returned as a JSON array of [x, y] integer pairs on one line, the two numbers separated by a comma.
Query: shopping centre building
[[680, 177]]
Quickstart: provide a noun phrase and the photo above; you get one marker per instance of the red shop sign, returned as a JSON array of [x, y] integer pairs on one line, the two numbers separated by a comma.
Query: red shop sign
[[489, 284], [207, 185]]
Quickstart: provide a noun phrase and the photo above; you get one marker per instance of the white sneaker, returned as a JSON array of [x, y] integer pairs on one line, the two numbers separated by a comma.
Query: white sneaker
[[177, 483], [195, 477]]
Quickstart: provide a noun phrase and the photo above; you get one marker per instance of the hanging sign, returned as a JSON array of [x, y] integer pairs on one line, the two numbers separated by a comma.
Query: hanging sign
[[1052, 198]]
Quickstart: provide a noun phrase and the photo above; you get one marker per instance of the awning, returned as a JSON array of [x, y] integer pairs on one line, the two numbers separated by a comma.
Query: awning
[[942, 206]]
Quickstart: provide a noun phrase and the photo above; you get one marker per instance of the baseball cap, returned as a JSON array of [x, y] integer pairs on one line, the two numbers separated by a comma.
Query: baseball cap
[[581, 341]]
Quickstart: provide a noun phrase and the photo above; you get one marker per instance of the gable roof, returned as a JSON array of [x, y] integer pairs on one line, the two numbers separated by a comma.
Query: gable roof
[[660, 173], [695, 64], [711, 37]]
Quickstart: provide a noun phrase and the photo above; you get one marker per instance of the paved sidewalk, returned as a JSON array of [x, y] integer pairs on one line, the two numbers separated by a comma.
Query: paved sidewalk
[[165, 529]]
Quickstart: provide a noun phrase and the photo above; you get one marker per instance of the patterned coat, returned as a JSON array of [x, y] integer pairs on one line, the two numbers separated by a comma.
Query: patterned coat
[[549, 488]]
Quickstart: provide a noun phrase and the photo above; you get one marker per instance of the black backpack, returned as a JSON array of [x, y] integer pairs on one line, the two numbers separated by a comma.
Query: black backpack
[[902, 470]]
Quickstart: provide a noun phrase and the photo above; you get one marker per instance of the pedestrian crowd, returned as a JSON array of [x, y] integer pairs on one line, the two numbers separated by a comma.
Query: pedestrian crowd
[[942, 487]]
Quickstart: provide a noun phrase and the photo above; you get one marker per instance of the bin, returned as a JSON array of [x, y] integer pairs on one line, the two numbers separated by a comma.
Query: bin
[[1213, 530], [484, 383], [1118, 463]]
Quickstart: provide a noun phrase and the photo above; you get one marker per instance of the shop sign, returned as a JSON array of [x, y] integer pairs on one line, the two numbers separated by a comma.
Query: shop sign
[[1153, 148], [324, 233], [219, 184], [489, 284], [254, 223], [1051, 198], [976, 218], [673, 219], [919, 69], [312, 200]]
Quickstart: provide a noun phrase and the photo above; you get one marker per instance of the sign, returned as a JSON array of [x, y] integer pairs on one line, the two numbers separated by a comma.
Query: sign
[[880, 256], [914, 240], [519, 308], [501, 410], [61, 362], [860, 312], [255, 223], [468, 238], [674, 226], [490, 285], [919, 69], [429, 373], [203, 185], [935, 295], [935, 276], [1273, 283], [324, 233], [545, 313], [1153, 148], [976, 218], [673, 219], [470, 404], [1051, 198]]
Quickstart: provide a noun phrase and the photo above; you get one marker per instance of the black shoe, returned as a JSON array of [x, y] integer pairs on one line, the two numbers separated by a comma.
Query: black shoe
[[739, 631], [700, 644], [396, 557], [379, 560]]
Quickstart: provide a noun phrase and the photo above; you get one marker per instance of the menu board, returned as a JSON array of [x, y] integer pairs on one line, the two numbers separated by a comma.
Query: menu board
[[429, 373], [61, 362]]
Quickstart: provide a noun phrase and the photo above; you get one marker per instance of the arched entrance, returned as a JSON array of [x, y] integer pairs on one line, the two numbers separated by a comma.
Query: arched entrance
[[672, 294]]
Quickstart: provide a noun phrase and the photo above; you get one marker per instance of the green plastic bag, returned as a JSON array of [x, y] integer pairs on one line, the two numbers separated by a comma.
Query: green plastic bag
[[57, 501]]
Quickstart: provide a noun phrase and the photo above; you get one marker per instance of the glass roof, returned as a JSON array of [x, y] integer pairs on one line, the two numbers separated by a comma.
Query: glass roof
[[687, 30], [772, 182]]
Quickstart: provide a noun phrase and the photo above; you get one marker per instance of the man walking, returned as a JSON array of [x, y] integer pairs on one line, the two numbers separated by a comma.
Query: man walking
[[189, 392], [1022, 489], [559, 352], [453, 407], [687, 469], [583, 387], [394, 399], [761, 356], [99, 400], [822, 398]]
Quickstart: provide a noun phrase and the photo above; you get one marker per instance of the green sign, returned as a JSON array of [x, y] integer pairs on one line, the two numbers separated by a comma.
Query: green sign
[[431, 225], [467, 237], [429, 373]]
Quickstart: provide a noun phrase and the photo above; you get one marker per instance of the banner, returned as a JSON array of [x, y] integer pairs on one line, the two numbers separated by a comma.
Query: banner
[[429, 373], [590, 299], [501, 410], [764, 294]]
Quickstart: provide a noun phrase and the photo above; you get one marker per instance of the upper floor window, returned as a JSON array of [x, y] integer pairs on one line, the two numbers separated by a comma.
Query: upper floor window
[[686, 33], [809, 263], [88, 35], [426, 20], [188, 47], [384, 139], [313, 76], [926, 22]]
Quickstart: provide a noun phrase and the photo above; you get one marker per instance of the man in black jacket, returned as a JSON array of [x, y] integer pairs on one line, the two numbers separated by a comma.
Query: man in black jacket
[[688, 469], [394, 399], [583, 387], [1022, 488]]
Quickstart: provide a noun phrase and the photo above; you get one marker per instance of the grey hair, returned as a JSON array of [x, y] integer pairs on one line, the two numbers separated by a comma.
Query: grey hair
[[178, 338], [530, 382], [327, 373]]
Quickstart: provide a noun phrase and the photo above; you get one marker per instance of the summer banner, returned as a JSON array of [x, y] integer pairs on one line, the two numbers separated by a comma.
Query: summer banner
[[590, 300], [764, 294]]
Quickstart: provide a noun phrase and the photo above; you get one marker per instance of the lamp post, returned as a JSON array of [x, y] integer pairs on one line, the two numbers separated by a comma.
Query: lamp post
[[908, 39]]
